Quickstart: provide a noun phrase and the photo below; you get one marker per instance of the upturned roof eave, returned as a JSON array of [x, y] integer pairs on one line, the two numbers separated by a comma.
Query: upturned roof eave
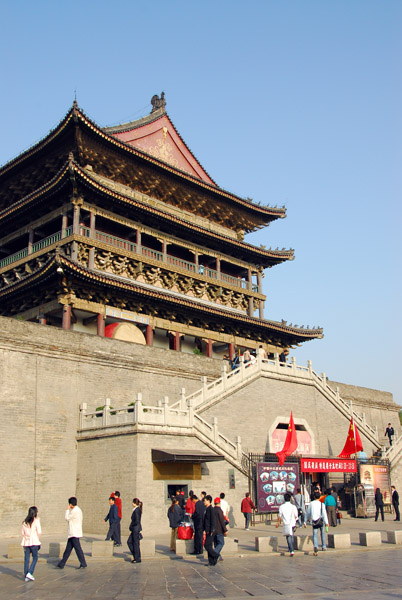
[[263, 214]]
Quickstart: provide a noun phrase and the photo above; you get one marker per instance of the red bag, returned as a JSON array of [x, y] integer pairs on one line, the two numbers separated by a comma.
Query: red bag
[[185, 532]]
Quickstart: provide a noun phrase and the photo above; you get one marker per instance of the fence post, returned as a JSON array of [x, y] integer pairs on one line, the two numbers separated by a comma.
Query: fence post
[[83, 410], [238, 445], [138, 408], [260, 352], [204, 381], [165, 405], [224, 375], [310, 367], [183, 399], [323, 380], [215, 429], [337, 394], [190, 405], [276, 359], [241, 364], [293, 363], [106, 412]]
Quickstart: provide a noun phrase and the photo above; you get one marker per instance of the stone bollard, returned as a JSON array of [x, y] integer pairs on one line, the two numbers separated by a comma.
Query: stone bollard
[[147, 547], [184, 546], [230, 547], [303, 542], [338, 540], [266, 544], [370, 538], [15, 551], [55, 550], [394, 537], [102, 549]]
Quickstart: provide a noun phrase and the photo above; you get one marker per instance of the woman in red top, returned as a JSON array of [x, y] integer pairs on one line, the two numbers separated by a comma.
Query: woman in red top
[[190, 504], [247, 505]]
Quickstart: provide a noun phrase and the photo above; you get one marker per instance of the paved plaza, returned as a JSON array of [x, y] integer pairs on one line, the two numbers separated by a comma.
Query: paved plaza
[[370, 575], [356, 573]]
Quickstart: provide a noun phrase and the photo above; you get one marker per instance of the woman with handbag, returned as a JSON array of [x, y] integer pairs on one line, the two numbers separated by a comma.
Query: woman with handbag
[[135, 536], [31, 531], [317, 516]]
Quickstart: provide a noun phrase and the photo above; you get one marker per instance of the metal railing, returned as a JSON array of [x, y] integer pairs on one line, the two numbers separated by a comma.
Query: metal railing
[[123, 244]]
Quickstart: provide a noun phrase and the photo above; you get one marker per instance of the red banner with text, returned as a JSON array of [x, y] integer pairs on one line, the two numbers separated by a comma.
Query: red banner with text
[[327, 465]]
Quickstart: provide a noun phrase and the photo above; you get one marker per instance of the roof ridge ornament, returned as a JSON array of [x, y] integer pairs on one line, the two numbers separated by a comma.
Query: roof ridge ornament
[[157, 102]]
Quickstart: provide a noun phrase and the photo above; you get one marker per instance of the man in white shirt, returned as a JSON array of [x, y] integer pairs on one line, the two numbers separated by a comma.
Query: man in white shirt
[[225, 507], [317, 515], [288, 516], [74, 533]]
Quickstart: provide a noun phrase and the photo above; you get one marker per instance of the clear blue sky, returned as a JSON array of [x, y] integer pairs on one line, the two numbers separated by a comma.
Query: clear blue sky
[[287, 102]]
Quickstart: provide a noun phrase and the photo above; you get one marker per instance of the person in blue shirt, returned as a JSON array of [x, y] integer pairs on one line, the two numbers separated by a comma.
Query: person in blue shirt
[[330, 505]]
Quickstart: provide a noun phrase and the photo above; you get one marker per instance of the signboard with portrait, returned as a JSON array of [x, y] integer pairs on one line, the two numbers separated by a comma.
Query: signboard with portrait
[[273, 481], [378, 477]]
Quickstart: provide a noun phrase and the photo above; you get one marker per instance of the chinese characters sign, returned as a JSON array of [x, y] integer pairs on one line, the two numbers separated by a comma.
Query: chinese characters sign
[[273, 482], [328, 465]]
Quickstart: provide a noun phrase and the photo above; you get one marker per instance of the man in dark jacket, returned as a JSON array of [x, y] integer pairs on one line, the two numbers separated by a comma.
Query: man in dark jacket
[[113, 518], [198, 521], [209, 528], [220, 527], [395, 503]]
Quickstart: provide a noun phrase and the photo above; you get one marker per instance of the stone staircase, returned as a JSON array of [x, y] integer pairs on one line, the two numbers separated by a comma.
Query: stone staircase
[[232, 381], [184, 416]]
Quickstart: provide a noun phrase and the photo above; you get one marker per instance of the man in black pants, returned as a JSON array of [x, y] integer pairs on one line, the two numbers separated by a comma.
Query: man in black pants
[[209, 528], [395, 503], [74, 533], [198, 520]]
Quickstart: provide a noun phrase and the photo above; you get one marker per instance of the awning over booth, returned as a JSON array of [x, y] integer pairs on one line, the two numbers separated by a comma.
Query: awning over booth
[[188, 456]]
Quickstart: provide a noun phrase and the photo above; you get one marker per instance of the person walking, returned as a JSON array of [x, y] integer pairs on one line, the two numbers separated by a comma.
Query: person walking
[[135, 536], [301, 508], [175, 515], [379, 504], [330, 505], [118, 503], [390, 433], [113, 518], [73, 517], [31, 532], [209, 528], [395, 503], [317, 516], [198, 521], [288, 516], [220, 527], [247, 506]]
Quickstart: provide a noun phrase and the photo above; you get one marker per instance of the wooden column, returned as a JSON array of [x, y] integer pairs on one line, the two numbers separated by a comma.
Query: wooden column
[[218, 267], [259, 282], [261, 309], [76, 219], [91, 254], [209, 348], [176, 341], [138, 242], [231, 351], [64, 221], [30, 240], [66, 323], [149, 335], [250, 307], [250, 279], [100, 322]]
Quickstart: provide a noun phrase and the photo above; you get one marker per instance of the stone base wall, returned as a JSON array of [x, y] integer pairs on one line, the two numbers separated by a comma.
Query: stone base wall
[[45, 374]]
